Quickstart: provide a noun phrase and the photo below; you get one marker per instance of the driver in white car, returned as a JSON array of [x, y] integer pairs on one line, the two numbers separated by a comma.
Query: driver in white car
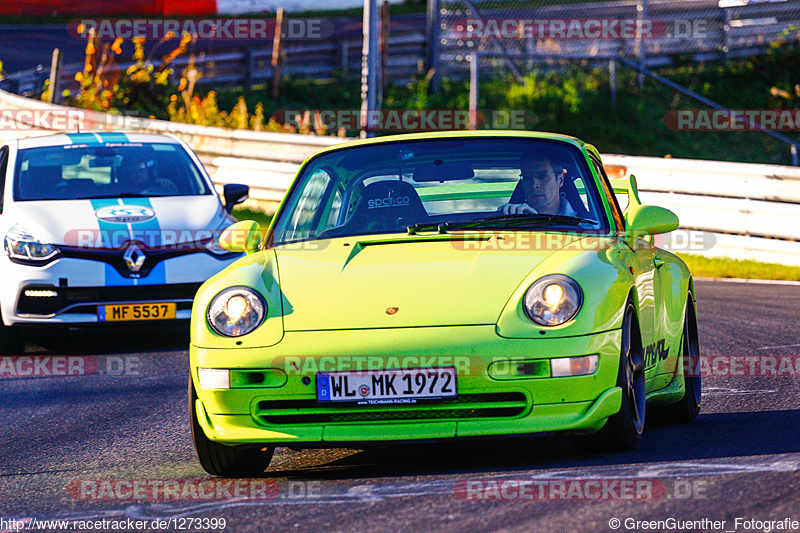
[[139, 175]]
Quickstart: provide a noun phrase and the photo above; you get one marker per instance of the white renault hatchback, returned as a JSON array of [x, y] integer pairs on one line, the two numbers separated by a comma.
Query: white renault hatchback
[[105, 229]]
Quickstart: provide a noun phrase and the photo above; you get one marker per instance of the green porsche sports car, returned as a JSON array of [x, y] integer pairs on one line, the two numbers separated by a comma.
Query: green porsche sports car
[[440, 286]]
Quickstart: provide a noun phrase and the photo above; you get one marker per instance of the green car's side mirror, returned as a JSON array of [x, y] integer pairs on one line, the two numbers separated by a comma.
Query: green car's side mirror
[[243, 236], [650, 220]]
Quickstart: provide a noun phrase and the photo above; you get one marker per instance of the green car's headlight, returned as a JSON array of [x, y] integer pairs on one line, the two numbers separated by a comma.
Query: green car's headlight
[[553, 300], [236, 311]]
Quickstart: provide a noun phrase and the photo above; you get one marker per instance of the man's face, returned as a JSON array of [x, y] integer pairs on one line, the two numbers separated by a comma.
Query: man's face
[[139, 172], [542, 185]]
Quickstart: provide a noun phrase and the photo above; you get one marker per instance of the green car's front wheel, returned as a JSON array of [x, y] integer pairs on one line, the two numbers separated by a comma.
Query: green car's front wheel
[[623, 431], [225, 461]]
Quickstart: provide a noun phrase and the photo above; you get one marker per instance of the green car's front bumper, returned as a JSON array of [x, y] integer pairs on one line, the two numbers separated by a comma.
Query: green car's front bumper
[[272, 399]]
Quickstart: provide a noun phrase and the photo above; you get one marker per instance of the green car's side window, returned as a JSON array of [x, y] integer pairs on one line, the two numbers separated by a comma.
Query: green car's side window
[[611, 198], [302, 221], [333, 212]]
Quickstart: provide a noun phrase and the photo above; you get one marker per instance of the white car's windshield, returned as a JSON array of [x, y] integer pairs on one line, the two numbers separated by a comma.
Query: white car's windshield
[[475, 183], [73, 171]]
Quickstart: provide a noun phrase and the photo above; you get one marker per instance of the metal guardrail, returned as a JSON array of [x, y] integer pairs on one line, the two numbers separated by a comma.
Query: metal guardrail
[[752, 211]]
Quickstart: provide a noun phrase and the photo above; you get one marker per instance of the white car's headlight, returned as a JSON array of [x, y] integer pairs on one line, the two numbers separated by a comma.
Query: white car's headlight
[[553, 300], [236, 311], [21, 245]]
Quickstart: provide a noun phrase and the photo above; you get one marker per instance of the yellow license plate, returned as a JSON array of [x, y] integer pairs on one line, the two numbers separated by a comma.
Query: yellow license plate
[[127, 312]]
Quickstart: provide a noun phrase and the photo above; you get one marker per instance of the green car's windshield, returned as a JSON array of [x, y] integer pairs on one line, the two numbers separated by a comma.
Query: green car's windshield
[[439, 185]]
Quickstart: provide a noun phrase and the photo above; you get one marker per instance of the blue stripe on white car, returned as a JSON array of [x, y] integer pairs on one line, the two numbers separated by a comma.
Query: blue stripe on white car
[[97, 138], [84, 138], [113, 137], [148, 230]]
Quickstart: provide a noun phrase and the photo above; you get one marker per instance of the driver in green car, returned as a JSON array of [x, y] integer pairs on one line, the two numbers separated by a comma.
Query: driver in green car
[[541, 184]]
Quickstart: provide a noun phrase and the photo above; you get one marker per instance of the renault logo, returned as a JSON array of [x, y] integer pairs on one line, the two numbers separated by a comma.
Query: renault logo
[[134, 258]]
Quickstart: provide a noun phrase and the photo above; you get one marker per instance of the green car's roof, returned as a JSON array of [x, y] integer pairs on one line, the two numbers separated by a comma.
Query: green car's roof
[[457, 134]]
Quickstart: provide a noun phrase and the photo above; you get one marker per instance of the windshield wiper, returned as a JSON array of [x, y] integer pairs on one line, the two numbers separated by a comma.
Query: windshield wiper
[[505, 221], [502, 221]]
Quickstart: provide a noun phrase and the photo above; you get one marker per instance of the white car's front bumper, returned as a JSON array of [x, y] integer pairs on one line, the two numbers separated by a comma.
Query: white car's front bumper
[[81, 285]]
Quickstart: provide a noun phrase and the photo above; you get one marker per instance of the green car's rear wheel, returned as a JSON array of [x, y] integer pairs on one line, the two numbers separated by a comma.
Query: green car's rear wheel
[[225, 461], [688, 407], [623, 431]]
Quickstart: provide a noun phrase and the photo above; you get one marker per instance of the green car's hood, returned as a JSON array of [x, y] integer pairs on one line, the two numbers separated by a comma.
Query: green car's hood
[[399, 282]]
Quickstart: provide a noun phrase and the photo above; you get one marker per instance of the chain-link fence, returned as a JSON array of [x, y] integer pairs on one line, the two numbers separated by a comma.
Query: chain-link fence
[[518, 34], [485, 40]]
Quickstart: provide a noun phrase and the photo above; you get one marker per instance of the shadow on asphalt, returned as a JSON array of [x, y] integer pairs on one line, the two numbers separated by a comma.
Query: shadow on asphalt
[[712, 436], [117, 341]]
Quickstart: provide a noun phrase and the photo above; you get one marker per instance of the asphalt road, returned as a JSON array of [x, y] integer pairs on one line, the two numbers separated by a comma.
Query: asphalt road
[[71, 448]]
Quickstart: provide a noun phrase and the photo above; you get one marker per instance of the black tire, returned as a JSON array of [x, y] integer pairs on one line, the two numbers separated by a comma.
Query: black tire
[[225, 461], [10, 342], [687, 409], [623, 431]]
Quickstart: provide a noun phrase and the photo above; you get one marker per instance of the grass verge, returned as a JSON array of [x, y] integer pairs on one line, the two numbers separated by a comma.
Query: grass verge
[[715, 267], [246, 213]]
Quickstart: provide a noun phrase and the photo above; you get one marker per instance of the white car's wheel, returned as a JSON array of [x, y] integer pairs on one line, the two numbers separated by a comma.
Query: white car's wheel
[[10, 343]]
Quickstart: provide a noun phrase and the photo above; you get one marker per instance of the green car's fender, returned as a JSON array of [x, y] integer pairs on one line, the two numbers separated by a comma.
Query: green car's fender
[[258, 271], [601, 266]]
